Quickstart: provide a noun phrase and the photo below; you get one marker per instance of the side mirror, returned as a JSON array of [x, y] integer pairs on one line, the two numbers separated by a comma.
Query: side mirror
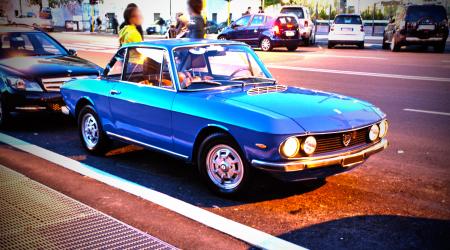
[[72, 52]]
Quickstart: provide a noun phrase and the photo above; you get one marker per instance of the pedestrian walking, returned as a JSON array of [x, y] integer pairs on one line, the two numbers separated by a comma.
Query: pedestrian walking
[[132, 30], [197, 24], [99, 23], [115, 25], [161, 24]]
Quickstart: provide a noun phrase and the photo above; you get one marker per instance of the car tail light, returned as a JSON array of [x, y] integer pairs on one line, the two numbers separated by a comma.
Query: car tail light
[[362, 28], [290, 25], [306, 23], [276, 29]]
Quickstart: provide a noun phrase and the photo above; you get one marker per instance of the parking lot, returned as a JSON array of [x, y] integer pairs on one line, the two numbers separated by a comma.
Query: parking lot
[[399, 199]]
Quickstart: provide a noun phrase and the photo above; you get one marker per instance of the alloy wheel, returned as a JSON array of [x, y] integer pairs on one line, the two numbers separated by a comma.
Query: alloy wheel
[[225, 167], [265, 44], [90, 131]]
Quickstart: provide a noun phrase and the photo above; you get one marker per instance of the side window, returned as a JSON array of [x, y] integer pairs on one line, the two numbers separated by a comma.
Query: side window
[[115, 67], [243, 21], [148, 66], [258, 20]]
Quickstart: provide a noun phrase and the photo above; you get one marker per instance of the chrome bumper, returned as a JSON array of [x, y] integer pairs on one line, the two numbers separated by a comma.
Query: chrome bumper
[[347, 160]]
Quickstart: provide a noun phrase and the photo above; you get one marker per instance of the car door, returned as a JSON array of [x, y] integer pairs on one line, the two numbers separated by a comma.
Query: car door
[[239, 27], [141, 103], [255, 28]]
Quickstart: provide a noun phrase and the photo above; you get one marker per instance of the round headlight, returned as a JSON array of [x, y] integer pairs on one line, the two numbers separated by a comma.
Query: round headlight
[[309, 145], [374, 132], [290, 147], [383, 128]]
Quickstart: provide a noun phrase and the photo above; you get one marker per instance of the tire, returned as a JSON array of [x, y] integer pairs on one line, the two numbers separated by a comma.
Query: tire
[[222, 166], [440, 48], [266, 44], [385, 44], [222, 38], [330, 45], [4, 115], [306, 42], [361, 45], [292, 48], [313, 39], [394, 45], [92, 136]]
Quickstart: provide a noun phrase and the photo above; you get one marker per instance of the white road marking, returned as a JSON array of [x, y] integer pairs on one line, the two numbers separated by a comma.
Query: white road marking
[[360, 73], [341, 56], [427, 112], [245, 233]]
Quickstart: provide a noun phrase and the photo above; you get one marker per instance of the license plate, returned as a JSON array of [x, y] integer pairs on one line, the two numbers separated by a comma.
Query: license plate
[[347, 29], [353, 160], [426, 27], [290, 33]]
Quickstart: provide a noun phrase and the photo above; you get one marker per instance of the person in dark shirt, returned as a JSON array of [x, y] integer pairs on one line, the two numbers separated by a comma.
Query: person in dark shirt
[[260, 10], [197, 24], [248, 12]]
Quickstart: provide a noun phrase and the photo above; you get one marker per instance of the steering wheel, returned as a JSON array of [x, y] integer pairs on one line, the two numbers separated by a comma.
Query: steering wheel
[[239, 70]]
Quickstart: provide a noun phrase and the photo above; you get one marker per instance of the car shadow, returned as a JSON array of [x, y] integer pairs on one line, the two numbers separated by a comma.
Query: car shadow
[[148, 168], [374, 232]]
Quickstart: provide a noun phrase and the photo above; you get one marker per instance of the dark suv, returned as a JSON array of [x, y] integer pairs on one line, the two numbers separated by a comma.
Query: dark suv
[[264, 31], [417, 24]]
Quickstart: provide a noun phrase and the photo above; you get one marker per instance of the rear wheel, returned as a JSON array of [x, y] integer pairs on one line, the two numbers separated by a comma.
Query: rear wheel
[[292, 47], [92, 136], [361, 45], [266, 44], [330, 45], [222, 165], [440, 48], [222, 38]]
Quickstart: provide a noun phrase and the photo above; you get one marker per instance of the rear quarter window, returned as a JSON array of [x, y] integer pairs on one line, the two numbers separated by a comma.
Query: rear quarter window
[[286, 20], [415, 13], [298, 12]]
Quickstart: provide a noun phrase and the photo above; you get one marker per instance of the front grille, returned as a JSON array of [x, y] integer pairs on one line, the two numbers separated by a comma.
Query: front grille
[[266, 89], [334, 142], [54, 84]]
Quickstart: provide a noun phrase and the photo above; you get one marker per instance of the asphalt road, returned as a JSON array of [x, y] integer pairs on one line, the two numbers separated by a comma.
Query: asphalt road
[[399, 199]]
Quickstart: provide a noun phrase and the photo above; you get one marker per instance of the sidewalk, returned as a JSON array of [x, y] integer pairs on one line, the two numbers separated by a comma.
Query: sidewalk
[[33, 216]]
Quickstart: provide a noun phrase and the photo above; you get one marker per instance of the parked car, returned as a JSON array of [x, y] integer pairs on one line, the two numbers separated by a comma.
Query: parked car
[[212, 27], [417, 24], [33, 66], [264, 31], [215, 104], [306, 24], [347, 29], [44, 21]]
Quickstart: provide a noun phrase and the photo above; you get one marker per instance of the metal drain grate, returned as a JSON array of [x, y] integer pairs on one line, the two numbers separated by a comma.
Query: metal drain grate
[[33, 216]]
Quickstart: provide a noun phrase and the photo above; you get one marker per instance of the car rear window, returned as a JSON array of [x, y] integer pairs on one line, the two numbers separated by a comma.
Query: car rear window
[[286, 21], [415, 13], [348, 20], [298, 12]]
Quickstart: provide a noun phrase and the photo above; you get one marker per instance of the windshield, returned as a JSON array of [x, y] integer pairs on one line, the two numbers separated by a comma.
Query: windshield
[[298, 12], [210, 66], [20, 44], [350, 19], [415, 13]]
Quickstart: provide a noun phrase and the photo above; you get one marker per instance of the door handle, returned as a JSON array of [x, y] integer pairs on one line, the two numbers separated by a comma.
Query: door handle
[[114, 92]]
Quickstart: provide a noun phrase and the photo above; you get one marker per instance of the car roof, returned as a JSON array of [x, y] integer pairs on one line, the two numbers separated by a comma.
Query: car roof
[[169, 44]]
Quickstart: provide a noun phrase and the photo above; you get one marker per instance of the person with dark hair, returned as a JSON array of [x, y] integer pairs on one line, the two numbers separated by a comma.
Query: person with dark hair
[[131, 5], [130, 33], [197, 24], [248, 12], [261, 10], [115, 25]]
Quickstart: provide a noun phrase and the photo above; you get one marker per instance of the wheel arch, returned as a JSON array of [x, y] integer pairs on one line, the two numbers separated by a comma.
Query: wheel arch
[[204, 133], [82, 102]]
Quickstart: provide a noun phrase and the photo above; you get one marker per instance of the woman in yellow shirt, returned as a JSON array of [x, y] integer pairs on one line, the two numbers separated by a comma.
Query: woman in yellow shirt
[[132, 31]]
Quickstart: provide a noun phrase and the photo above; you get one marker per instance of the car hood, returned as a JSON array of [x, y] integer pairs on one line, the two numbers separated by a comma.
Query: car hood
[[315, 111], [41, 67]]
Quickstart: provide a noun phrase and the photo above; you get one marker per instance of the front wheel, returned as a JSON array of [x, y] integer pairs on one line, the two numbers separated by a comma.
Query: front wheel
[[222, 38], [361, 45], [92, 136], [222, 165], [266, 44], [330, 45]]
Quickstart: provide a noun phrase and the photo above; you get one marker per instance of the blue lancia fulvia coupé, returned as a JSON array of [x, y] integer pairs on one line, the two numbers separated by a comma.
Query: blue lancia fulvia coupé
[[215, 104]]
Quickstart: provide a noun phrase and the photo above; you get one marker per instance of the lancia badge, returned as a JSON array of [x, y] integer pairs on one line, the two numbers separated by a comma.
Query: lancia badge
[[346, 139]]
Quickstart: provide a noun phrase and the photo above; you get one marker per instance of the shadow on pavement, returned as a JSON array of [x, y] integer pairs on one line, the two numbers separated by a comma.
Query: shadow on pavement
[[151, 169], [374, 232]]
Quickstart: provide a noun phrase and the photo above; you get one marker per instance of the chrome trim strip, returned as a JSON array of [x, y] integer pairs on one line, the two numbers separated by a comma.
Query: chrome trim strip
[[30, 108], [416, 39], [146, 145], [315, 162]]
